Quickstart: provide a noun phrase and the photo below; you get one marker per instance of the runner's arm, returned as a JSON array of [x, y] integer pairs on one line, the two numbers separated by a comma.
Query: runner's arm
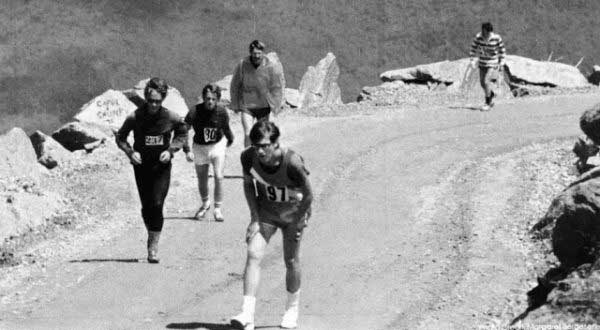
[[180, 135], [299, 174], [122, 134], [227, 129], [251, 197], [188, 123], [249, 189], [473, 49], [235, 88], [501, 52]]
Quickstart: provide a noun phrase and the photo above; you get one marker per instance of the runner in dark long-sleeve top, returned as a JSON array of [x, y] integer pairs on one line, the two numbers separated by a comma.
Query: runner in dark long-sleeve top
[[211, 123], [158, 133]]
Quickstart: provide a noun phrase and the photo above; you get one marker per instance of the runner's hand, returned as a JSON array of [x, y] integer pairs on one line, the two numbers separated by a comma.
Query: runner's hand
[[253, 229], [300, 225], [473, 63], [136, 158], [165, 156], [189, 156]]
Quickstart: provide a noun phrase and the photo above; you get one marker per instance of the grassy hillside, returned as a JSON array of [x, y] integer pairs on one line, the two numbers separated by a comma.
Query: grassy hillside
[[55, 55]]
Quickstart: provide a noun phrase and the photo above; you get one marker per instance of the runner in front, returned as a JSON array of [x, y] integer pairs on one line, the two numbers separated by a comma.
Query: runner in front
[[211, 123], [279, 195]]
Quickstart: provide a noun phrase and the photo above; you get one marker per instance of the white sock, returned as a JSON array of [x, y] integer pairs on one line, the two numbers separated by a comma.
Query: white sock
[[293, 300], [249, 305]]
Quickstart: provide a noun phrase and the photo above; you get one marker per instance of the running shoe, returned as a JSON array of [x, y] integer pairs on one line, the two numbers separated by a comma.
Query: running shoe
[[202, 211], [218, 215], [485, 108], [243, 321], [290, 318]]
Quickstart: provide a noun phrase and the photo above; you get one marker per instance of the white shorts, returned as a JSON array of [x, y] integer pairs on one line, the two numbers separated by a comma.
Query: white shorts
[[205, 153]]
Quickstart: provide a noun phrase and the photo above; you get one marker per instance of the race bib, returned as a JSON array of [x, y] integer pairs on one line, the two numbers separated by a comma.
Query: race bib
[[210, 134], [154, 140], [276, 194]]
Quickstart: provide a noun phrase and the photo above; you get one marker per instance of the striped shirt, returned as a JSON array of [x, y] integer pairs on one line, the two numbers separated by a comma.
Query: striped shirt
[[491, 52]]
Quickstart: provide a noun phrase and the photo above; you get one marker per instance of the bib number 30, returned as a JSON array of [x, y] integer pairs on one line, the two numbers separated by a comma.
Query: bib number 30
[[210, 134]]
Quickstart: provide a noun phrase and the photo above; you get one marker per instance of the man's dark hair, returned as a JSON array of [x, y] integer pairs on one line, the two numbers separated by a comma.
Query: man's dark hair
[[256, 44], [487, 26], [213, 88], [159, 85], [264, 129]]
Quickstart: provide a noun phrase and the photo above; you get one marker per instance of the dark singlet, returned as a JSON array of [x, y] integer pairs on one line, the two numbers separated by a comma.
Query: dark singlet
[[276, 191]]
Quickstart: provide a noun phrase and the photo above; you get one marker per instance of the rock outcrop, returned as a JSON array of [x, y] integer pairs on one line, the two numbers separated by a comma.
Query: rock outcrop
[[319, 84], [18, 157], [108, 109], [521, 70], [589, 122], [574, 219], [77, 136], [547, 73], [522, 76], [445, 72], [49, 152], [174, 101], [292, 97], [23, 205], [224, 84], [594, 77]]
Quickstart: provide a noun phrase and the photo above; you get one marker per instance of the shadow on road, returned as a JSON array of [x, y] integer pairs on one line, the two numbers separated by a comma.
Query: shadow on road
[[106, 260], [190, 218], [211, 326], [466, 107]]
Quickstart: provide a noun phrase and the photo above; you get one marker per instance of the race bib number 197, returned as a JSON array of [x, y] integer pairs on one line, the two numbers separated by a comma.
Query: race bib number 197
[[275, 194]]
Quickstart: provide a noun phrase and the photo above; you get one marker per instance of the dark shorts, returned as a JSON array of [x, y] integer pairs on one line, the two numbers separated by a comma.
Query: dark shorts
[[269, 224], [259, 114]]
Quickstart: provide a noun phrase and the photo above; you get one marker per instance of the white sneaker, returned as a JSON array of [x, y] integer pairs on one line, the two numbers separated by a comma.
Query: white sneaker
[[243, 321], [218, 215], [485, 107], [290, 318]]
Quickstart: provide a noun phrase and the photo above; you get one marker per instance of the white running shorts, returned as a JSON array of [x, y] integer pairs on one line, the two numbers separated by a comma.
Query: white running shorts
[[205, 153]]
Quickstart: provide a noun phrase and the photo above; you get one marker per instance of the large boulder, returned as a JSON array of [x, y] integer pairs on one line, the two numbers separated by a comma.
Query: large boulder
[[50, 153], [452, 76], [77, 136], [224, 84], [594, 77], [589, 122], [17, 156], [445, 72], [108, 109], [547, 73], [574, 218], [292, 97], [174, 101], [24, 206], [319, 84]]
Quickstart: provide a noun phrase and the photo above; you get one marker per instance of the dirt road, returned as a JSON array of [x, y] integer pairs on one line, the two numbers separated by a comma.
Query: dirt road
[[408, 231]]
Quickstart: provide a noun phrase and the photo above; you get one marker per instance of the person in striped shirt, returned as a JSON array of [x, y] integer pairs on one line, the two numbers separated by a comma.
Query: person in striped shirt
[[488, 48]]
